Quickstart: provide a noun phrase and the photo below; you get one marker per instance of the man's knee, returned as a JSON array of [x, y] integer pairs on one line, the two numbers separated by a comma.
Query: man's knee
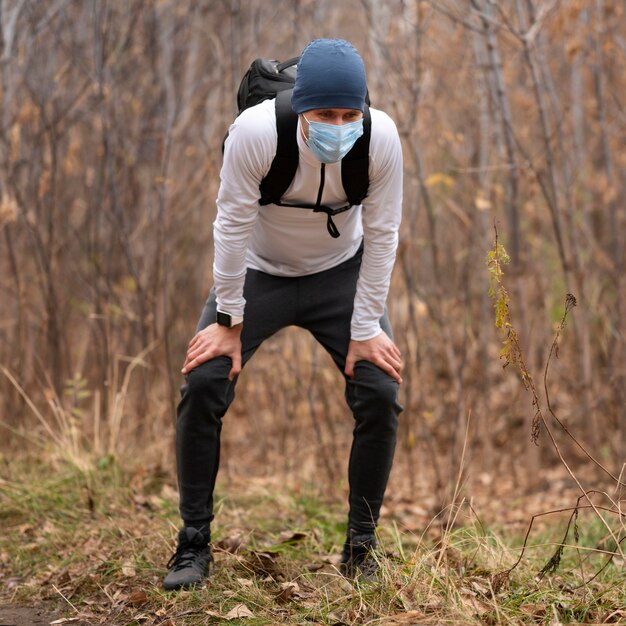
[[208, 384], [373, 392]]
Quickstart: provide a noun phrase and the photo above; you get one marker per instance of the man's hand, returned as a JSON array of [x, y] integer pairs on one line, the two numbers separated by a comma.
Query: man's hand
[[212, 341], [380, 351]]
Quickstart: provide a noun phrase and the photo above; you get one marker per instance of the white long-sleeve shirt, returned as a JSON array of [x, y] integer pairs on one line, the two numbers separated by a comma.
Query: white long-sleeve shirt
[[288, 241]]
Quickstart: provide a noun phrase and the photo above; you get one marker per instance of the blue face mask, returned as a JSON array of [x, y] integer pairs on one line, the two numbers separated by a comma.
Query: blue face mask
[[330, 142]]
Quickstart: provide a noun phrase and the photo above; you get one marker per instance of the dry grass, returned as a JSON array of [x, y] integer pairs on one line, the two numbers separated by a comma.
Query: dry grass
[[94, 543]]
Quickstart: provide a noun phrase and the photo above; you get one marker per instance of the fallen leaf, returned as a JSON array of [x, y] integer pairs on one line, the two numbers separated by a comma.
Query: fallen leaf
[[313, 567], [289, 591], [289, 537], [262, 563], [479, 607], [128, 570], [213, 614], [141, 502], [238, 612], [408, 618], [482, 589], [25, 529], [533, 609], [14, 582], [138, 597], [230, 544]]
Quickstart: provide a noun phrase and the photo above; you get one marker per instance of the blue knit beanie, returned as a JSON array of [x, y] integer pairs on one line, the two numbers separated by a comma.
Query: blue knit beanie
[[331, 74]]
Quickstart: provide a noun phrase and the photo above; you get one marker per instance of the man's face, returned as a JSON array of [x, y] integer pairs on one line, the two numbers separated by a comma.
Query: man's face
[[337, 117]]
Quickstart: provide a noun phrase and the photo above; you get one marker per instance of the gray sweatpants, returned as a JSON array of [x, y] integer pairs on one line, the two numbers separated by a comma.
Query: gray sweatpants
[[322, 303]]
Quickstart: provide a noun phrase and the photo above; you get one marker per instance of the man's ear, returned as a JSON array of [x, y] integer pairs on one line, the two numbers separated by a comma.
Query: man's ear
[[305, 126]]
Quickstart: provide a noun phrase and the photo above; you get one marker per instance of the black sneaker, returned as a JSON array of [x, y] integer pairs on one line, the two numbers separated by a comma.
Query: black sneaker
[[358, 559], [190, 563]]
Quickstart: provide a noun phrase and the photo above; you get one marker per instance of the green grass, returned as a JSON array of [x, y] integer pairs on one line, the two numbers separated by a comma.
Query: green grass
[[95, 542]]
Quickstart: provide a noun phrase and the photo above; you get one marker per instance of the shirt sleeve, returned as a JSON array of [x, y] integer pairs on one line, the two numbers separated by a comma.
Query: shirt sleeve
[[248, 154], [382, 214]]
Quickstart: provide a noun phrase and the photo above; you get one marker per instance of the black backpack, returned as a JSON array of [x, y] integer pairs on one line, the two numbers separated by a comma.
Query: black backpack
[[266, 79]]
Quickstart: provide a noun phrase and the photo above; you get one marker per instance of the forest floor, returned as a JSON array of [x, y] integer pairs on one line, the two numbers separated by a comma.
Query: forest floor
[[89, 546]]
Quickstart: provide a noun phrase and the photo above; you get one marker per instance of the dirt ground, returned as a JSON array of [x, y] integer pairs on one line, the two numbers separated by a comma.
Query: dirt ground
[[14, 615]]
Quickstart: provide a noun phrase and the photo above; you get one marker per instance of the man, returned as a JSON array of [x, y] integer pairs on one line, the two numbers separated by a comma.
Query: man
[[277, 266]]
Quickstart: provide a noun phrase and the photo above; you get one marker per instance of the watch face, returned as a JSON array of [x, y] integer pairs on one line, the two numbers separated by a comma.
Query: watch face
[[224, 319]]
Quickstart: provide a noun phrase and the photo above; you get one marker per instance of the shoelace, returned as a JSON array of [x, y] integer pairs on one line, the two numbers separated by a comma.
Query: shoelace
[[367, 565], [184, 556]]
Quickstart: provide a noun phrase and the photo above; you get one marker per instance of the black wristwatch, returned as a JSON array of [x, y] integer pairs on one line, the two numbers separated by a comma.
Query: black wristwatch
[[228, 320]]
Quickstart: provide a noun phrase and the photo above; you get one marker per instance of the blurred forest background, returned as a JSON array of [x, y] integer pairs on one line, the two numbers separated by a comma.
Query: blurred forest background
[[511, 113]]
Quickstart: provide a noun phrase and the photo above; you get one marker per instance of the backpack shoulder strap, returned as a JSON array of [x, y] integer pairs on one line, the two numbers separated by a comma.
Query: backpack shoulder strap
[[285, 163], [355, 165]]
